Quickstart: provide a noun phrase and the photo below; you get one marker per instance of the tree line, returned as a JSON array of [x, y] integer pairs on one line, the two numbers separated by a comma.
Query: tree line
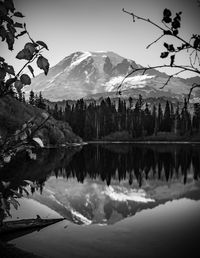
[[97, 120], [34, 99]]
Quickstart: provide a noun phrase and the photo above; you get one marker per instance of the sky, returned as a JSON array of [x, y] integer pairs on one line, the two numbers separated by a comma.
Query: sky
[[67, 26]]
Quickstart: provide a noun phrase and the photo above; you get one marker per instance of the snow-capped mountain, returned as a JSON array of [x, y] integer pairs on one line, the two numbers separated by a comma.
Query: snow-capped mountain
[[83, 74], [93, 202]]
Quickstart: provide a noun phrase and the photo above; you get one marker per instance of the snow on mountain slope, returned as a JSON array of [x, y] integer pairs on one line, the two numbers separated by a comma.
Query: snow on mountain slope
[[93, 202], [83, 74]]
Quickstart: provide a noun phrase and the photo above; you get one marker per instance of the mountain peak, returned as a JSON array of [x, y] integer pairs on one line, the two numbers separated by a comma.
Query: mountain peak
[[85, 73]]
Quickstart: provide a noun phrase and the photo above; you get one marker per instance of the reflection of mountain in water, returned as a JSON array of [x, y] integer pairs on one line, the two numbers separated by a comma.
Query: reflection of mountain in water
[[105, 183]]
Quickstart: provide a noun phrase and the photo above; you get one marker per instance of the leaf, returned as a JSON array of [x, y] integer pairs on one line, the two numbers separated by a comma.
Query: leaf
[[43, 64], [24, 126], [164, 54], [3, 10], [39, 142], [31, 70], [2, 59], [2, 73], [8, 19], [7, 158], [45, 115], [4, 205], [25, 79], [24, 54], [14, 202], [16, 193], [28, 182], [21, 33], [18, 85], [23, 136], [41, 43], [18, 14], [18, 25], [32, 184], [32, 155], [167, 32], [167, 12], [10, 40], [178, 16], [9, 5], [166, 45], [30, 46], [169, 47], [3, 33], [11, 28], [196, 42], [5, 184], [167, 19], [176, 24], [172, 60], [10, 81], [9, 69], [26, 191], [175, 32]]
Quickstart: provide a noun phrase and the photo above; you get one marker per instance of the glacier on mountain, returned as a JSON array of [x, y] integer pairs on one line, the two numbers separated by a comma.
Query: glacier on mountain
[[76, 61], [137, 81]]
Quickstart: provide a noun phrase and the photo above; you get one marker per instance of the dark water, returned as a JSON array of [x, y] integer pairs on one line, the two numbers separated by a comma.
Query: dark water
[[119, 200]]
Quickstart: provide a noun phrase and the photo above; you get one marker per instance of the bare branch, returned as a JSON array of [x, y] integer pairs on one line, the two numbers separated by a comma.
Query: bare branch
[[170, 77], [155, 41], [141, 18]]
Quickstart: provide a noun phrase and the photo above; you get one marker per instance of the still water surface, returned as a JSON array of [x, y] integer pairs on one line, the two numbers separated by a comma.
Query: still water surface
[[119, 200]]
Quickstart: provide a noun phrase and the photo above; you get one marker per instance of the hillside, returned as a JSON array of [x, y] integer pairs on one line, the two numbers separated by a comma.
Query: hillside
[[88, 74], [13, 114]]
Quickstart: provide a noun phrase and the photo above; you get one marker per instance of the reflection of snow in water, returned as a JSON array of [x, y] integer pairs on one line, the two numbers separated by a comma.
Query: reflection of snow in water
[[123, 194]]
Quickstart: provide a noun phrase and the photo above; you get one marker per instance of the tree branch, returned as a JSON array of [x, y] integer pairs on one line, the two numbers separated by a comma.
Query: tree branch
[[159, 27], [155, 41]]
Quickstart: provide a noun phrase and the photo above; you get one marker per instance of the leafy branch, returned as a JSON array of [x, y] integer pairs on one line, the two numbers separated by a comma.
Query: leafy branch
[[11, 30], [21, 140], [170, 27], [11, 82]]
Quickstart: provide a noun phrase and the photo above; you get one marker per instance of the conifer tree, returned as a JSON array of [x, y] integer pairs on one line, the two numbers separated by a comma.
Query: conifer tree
[[40, 101], [154, 118], [160, 118], [32, 98], [185, 119], [167, 118], [177, 120]]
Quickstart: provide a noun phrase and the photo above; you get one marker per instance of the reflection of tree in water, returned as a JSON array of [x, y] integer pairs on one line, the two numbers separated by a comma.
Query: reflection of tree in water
[[140, 162], [107, 162], [39, 170], [15, 175], [135, 163]]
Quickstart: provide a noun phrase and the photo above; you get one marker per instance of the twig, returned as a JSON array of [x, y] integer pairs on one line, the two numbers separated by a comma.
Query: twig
[[170, 77], [29, 62], [155, 41], [159, 27]]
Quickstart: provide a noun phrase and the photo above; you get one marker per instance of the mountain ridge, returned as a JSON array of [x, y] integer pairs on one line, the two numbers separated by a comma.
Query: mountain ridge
[[84, 74]]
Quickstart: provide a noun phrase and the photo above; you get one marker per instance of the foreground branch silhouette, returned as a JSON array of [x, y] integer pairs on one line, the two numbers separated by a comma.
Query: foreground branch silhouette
[[12, 28], [170, 27]]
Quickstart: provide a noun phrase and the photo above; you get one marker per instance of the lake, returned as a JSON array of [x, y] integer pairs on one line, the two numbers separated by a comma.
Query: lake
[[119, 200]]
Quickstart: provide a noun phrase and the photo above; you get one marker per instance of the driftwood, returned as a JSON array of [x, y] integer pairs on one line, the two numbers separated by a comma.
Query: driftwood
[[14, 229]]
